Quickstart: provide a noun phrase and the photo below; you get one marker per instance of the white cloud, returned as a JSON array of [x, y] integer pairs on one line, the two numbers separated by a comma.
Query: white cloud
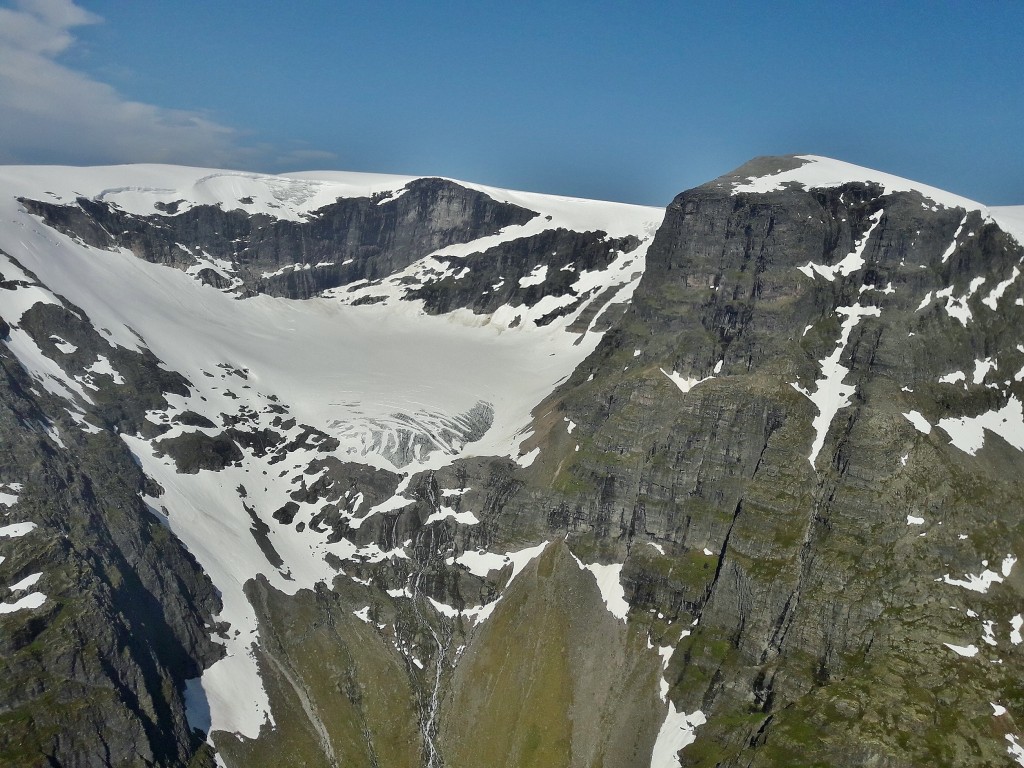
[[54, 114], [41, 26]]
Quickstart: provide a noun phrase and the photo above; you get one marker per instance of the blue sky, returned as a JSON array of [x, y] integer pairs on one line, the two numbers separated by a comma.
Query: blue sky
[[622, 101]]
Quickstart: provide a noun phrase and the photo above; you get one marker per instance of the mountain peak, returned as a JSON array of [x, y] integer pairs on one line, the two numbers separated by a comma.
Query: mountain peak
[[773, 173]]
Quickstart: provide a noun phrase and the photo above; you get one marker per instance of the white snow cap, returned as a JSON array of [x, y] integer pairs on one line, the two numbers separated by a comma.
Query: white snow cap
[[815, 171]]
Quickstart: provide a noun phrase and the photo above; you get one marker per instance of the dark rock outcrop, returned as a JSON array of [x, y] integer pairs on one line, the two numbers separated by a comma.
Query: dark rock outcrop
[[96, 675], [350, 240]]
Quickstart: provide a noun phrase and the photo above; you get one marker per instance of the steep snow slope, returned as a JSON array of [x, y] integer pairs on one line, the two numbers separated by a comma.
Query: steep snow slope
[[346, 370], [394, 386]]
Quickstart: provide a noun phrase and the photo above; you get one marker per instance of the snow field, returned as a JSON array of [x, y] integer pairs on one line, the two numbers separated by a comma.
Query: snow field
[[825, 172]]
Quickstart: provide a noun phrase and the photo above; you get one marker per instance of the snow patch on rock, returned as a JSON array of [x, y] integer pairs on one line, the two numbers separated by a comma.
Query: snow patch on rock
[[830, 393], [919, 421], [968, 432], [608, 578]]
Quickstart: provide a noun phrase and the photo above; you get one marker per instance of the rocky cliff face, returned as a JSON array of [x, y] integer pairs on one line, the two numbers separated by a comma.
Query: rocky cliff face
[[352, 239], [765, 510], [105, 614], [816, 527]]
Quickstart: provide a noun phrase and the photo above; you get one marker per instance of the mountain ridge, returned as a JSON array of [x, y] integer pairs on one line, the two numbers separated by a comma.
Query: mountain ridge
[[673, 447]]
